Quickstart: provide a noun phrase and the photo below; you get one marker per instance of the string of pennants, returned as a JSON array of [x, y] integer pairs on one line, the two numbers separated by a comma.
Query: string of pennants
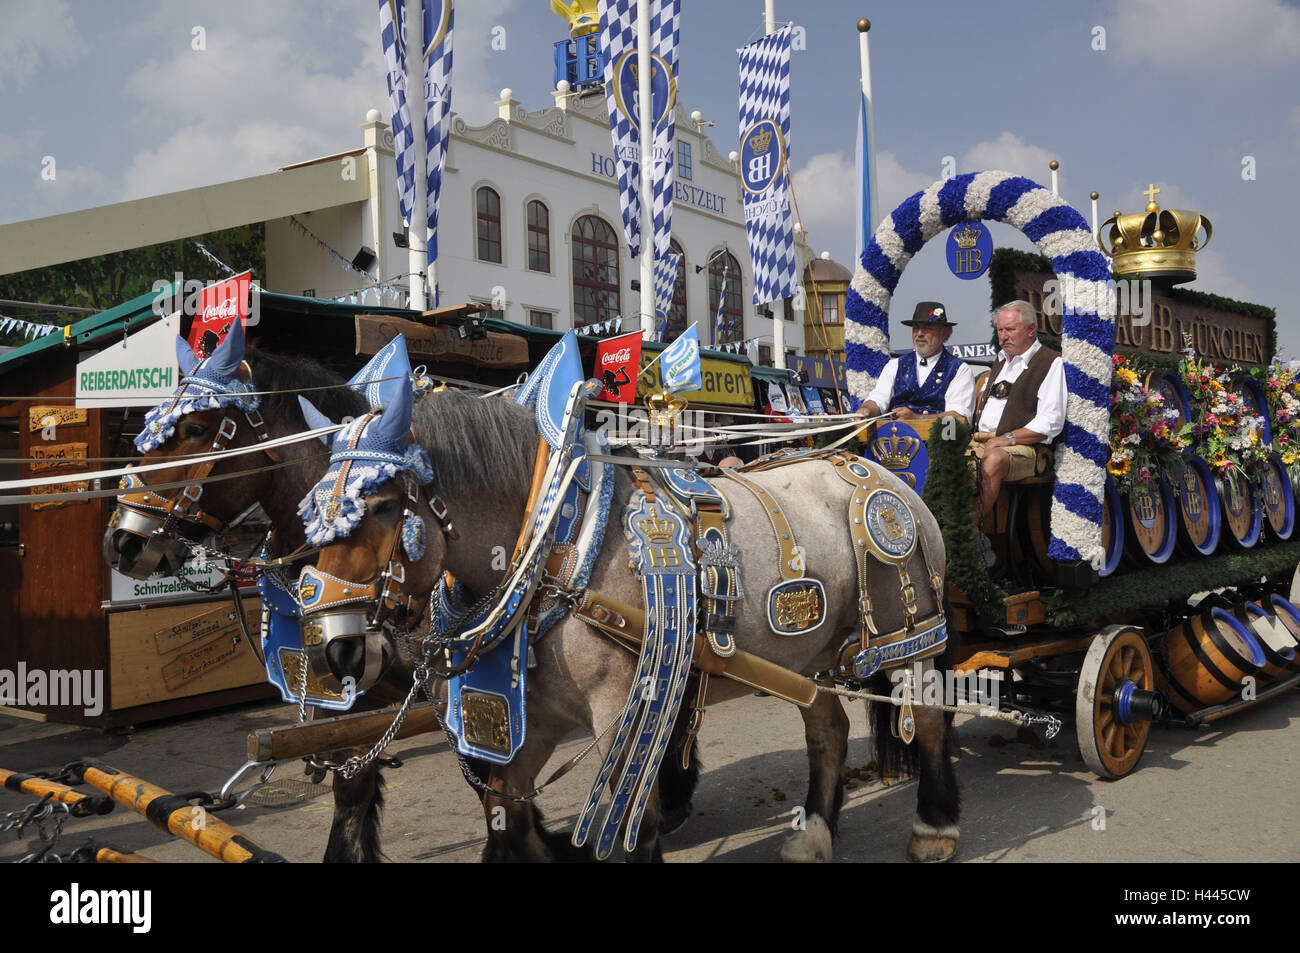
[[601, 327], [382, 292], [736, 347], [29, 329]]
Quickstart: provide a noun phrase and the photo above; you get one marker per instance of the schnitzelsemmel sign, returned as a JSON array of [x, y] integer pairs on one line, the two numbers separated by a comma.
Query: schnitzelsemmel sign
[[1155, 322]]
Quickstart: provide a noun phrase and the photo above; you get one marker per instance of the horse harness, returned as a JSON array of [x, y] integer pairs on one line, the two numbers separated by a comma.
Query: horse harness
[[155, 517]]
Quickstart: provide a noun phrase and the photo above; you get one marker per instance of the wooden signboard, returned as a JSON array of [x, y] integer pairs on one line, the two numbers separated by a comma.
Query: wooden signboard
[[1223, 337], [176, 651], [441, 343]]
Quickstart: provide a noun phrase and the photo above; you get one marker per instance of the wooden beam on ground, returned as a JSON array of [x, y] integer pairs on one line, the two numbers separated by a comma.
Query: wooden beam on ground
[[331, 734]]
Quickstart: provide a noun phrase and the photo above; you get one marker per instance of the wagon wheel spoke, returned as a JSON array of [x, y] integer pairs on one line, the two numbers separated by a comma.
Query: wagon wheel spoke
[[1108, 737]]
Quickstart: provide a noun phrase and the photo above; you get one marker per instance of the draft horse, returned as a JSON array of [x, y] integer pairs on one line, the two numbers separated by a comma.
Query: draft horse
[[468, 475], [151, 532]]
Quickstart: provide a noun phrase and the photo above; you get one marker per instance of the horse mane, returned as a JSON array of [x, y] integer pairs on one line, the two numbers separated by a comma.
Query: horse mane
[[296, 373], [475, 443]]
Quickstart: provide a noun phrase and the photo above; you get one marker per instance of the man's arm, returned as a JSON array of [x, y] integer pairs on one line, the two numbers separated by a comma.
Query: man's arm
[[959, 401], [878, 400]]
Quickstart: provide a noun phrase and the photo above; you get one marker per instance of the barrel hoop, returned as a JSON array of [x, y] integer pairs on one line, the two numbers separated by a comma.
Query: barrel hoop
[[1195, 645]]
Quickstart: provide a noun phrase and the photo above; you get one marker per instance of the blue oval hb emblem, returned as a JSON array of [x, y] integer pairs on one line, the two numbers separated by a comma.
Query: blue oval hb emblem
[[762, 156], [969, 250], [663, 88]]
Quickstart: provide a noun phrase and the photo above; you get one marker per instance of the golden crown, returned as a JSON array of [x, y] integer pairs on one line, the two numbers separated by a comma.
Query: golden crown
[[656, 530], [968, 237], [654, 70], [1156, 243], [583, 15], [761, 140], [895, 452]]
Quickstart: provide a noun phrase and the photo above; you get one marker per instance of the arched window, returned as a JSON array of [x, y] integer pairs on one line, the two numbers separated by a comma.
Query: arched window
[[487, 224], [729, 318], [677, 322], [539, 237], [595, 271]]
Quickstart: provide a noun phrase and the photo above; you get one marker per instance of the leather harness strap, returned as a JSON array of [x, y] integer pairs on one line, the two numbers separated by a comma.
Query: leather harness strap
[[791, 561]]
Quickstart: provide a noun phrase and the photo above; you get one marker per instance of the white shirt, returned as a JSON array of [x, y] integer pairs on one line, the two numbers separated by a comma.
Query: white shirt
[[959, 397], [1049, 418]]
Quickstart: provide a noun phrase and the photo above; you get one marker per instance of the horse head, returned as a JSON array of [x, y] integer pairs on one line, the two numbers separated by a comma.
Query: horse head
[[378, 560], [214, 408]]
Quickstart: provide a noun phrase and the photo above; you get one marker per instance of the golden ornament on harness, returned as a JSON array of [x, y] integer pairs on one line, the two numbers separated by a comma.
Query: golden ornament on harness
[[665, 410]]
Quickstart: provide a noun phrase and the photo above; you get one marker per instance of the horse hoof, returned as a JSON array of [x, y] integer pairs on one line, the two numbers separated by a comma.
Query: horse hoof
[[812, 845], [931, 849]]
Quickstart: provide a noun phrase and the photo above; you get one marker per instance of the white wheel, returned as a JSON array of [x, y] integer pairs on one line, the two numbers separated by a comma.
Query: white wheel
[[1111, 739]]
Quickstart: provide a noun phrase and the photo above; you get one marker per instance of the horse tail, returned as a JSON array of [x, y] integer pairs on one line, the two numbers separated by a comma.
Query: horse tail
[[893, 756]]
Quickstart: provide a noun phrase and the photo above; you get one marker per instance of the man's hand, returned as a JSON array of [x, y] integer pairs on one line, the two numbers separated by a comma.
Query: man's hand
[[868, 409], [904, 413]]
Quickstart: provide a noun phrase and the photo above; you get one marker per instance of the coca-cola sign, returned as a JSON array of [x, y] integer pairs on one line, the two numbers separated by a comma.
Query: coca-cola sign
[[618, 363], [218, 307]]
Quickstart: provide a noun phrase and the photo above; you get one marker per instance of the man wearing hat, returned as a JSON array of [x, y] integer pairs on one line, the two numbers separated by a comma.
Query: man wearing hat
[[928, 382]]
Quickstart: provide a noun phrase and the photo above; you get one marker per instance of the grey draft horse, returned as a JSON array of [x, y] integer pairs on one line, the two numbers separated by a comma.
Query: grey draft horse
[[481, 453]]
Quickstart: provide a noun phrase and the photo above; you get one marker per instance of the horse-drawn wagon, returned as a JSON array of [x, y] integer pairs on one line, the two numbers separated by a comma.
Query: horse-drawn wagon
[[524, 510]]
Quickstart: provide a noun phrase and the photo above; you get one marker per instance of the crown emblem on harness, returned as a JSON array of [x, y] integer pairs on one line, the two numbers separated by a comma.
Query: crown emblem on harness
[[761, 140], [656, 530], [895, 452]]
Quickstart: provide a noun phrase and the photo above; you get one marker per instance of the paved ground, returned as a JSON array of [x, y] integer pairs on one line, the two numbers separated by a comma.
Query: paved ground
[[1223, 794]]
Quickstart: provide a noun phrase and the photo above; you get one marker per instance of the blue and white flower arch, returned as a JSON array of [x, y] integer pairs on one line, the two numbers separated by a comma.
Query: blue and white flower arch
[[1088, 341]]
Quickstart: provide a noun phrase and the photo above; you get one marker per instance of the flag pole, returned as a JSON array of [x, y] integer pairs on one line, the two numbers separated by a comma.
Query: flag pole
[[417, 233], [645, 67], [864, 25]]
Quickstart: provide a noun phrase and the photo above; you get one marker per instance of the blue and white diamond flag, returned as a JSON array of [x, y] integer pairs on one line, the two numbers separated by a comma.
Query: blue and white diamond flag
[[439, 18], [393, 36], [622, 99], [764, 164], [665, 281]]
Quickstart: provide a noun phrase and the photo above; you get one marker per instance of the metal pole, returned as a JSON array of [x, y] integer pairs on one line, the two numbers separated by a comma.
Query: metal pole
[[645, 65], [778, 307], [418, 232], [864, 25]]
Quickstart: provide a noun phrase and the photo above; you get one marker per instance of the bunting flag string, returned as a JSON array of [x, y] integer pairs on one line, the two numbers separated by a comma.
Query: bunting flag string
[[397, 294], [28, 329], [212, 258]]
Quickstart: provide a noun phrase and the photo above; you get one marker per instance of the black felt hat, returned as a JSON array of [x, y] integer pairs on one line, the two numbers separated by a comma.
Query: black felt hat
[[930, 313]]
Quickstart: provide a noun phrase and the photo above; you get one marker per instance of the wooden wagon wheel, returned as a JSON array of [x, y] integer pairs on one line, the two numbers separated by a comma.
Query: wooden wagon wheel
[[1115, 701]]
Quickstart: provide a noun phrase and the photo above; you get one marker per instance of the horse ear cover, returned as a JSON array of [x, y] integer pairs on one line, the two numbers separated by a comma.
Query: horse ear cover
[[185, 356], [315, 419], [224, 363]]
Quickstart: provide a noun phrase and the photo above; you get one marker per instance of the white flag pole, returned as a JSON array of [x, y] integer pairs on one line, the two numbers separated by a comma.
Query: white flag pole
[[418, 233], [646, 131], [864, 25], [1054, 165], [1095, 196], [778, 307]]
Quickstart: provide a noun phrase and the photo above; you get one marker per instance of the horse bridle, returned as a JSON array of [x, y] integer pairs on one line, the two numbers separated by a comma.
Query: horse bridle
[[334, 608], [156, 518]]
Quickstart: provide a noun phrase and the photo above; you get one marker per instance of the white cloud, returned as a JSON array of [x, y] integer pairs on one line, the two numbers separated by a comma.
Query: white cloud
[[1192, 35], [1009, 153], [826, 188], [34, 32], [1214, 276]]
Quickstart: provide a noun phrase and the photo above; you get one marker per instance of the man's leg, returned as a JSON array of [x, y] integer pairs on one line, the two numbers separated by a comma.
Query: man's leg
[[993, 470]]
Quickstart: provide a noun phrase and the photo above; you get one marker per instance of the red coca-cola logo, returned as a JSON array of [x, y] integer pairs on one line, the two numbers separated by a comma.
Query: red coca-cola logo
[[217, 312], [616, 357]]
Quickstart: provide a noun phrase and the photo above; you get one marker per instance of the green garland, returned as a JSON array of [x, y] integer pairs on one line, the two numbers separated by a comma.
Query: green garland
[[950, 491], [1128, 591]]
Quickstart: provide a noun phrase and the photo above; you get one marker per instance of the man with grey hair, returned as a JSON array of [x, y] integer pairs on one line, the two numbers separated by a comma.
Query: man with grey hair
[[1021, 407]]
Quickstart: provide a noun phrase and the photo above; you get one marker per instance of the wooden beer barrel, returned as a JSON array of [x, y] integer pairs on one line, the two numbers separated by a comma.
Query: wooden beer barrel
[[1170, 386], [1286, 619], [1153, 521], [1276, 643], [1278, 498], [1242, 513], [1208, 656], [1112, 528], [1200, 522]]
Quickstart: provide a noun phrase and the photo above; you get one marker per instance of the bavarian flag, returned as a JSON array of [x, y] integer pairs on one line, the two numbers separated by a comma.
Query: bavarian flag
[[680, 363]]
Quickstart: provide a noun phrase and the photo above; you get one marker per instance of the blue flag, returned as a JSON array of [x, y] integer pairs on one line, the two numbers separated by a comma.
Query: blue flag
[[680, 363], [863, 169]]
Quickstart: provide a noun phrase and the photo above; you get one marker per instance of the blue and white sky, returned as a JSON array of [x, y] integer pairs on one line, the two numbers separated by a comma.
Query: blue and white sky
[[1182, 94]]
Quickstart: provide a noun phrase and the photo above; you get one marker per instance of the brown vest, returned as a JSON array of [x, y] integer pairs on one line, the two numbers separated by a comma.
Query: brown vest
[[1022, 402]]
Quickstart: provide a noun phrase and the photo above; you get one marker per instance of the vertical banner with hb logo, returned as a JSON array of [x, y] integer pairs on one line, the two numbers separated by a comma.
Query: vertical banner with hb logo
[[618, 41], [439, 18], [764, 159]]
